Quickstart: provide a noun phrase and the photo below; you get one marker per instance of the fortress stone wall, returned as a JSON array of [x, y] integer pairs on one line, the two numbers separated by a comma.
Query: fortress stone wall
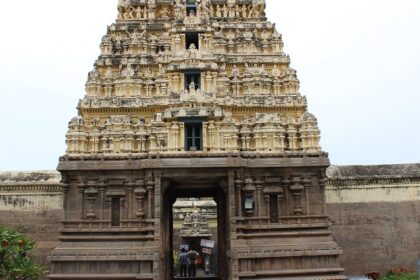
[[374, 210], [32, 202]]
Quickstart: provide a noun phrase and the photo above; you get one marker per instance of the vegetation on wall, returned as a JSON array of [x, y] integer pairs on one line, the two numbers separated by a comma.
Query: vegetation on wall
[[16, 259], [408, 276]]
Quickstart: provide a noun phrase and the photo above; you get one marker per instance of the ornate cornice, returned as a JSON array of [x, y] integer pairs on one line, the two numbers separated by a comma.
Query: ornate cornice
[[36, 188], [372, 182]]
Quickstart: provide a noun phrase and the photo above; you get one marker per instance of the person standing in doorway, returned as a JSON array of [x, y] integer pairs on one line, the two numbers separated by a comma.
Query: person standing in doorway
[[183, 261], [192, 269]]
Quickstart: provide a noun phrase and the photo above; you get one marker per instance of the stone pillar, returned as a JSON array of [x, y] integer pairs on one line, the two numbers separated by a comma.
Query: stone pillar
[[130, 187], [297, 192], [267, 205], [81, 188], [102, 190], [140, 194], [280, 198], [205, 136], [259, 200], [249, 191], [239, 184], [232, 259], [65, 190], [286, 183], [307, 184], [91, 194], [182, 130], [322, 184], [149, 187], [159, 261]]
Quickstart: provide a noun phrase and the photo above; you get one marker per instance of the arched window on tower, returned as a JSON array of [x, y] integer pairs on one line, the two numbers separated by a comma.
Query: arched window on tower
[[191, 7], [191, 38], [193, 134], [192, 77]]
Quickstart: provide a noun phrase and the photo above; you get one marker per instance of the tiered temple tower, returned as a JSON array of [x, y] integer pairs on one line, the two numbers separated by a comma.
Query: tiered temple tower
[[193, 99]]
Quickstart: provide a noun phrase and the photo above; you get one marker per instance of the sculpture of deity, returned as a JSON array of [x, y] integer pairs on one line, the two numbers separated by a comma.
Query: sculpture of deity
[[218, 11], [244, 11], [211, 11], [139, 12], [275, 72], [225, 11], [122, 4], [192, 88], [203, 9], [178, 9], [164, 12], [235, 72]]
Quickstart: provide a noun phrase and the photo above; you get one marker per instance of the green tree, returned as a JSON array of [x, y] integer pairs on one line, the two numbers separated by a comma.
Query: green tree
[[16, 261]]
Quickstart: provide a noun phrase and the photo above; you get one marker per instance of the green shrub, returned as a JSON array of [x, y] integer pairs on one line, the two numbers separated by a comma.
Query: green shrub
[[16, 262], [411, 276]]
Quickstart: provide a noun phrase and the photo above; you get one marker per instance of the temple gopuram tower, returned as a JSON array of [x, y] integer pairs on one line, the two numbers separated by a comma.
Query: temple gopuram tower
[[193, 98]]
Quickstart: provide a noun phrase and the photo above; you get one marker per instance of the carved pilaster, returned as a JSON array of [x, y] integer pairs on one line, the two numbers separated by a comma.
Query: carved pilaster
[[150, 186], [259, 200], [297, 191], [267, 205], [65, 189], [130, 188], [81, 189], [249, 192], [322, 184], [239, 184], [102, 190], [140, 193], [287, 198], [91, 194], [307, 184], [280, 198]]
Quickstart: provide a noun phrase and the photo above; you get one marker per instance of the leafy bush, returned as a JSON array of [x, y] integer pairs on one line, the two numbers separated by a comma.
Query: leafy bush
[[409, 276], [16, 262]]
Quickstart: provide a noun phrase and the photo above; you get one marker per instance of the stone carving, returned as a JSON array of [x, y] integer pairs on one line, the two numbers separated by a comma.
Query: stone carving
[[179, 9], [195, 225]]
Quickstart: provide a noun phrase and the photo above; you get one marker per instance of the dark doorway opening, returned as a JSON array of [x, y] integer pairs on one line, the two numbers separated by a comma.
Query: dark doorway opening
[[192, 78], [115, 212], [192, 38], [194, 196], [191, 6], [194, 238], [193, 136]]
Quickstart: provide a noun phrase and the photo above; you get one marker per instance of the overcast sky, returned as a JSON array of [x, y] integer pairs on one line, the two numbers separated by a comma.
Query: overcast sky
[[358, 62]]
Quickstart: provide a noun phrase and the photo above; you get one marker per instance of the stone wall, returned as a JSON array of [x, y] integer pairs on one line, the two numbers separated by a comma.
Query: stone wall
[[375, 213], [31, 202]]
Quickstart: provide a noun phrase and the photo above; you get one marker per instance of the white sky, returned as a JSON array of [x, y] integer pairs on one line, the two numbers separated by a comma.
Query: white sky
[[358, 62]]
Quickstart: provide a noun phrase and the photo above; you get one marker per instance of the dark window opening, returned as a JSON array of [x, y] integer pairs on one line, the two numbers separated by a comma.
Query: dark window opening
[[191, 38], [193, 136], [274, 209], [115, 212], [191, 77], [191, 7]]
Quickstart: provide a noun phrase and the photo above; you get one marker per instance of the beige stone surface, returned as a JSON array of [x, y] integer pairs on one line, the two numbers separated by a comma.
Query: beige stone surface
[[375, 211], [374, 183], [30, 191]]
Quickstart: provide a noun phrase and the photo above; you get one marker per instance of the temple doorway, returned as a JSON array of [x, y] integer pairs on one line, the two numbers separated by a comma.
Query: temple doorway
[[196, 226]]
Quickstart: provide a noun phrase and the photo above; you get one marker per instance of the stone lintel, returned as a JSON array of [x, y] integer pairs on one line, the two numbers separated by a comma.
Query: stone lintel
[[196, 163]]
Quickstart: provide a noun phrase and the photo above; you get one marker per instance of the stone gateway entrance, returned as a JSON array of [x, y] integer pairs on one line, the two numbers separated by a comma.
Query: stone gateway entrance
[[193, 99], [202, 186]]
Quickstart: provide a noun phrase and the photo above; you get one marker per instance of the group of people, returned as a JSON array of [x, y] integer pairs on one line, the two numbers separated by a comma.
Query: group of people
[[188, 262]]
